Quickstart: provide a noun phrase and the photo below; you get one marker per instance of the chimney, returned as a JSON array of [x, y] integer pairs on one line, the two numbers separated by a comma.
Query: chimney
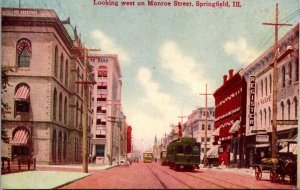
[[224, 79], [230, 73]]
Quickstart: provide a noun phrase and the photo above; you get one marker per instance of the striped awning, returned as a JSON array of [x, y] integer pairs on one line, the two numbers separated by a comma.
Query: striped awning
[[20, 138], [22, 93]]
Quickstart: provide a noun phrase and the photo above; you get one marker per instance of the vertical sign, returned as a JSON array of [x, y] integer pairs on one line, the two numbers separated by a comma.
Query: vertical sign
[[252, 101]]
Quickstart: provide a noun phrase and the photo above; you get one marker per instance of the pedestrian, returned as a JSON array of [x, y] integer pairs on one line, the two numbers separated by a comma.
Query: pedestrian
[[155, 159]]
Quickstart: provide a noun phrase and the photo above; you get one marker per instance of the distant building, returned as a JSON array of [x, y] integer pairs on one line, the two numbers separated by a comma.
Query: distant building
[[107, 116], [46, 106], [230, 100], [195, 126], [259, 78]]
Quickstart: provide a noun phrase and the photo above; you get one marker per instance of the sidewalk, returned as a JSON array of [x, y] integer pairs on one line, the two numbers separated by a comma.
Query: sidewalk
[[241, 171], [48, 176], [39, 179]]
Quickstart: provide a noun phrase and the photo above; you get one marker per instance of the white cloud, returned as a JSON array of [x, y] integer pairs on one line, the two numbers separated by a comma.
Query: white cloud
[[240, 50], [184, 69], [109, 46], [152, 113]]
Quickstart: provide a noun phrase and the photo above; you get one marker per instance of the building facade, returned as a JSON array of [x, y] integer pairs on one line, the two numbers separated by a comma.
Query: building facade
[[195, 126], [107, 116], [229, 126], [259, 78], [46, 106]]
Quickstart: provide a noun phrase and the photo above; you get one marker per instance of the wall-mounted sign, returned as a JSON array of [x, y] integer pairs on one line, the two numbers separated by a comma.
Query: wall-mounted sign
[[252, 101], [262, 138], [286, 122]]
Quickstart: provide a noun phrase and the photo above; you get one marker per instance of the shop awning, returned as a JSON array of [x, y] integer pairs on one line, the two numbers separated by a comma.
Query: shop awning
[[20, 138], [22, 93], [235, 126], [216, 132], [213, 152]]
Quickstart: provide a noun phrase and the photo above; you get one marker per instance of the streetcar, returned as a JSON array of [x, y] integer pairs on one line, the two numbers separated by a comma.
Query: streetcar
[[148, 157], [184, 152], [163, 158]]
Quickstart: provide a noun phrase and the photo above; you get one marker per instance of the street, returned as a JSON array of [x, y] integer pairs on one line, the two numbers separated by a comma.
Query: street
[[155, 176]]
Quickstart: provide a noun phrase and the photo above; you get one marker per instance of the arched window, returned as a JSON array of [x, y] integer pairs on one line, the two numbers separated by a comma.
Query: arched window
[[290, 73], [296, 107], [21, 97], [77, 79], [54, 103], [102, 71], [20, 142], [283, 76], [270, 77], [67, 73], [269, 115], [60, 107], [209, 127], [61, 67], [24, 52], [82, 86], [203, 127], [55, 61], [54, 146], [266, 85], [59, 146], [282, 110], [297, 69], [262, 87], [76, 113], [289, 109], [65, 146], [265, 114], [261, 116], [66, 110]]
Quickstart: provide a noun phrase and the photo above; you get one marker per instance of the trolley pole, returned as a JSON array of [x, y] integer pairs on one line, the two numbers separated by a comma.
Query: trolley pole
[[205, 131], [85, 82], [274, 103]]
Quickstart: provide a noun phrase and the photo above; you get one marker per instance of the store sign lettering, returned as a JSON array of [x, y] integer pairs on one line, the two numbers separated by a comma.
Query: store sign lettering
[[252, 101]]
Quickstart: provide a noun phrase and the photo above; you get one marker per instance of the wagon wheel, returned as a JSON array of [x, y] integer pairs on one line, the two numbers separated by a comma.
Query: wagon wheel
[[273, 176], [258, 173]]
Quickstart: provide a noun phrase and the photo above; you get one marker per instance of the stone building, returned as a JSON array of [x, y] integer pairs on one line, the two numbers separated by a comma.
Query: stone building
[[45, 116], [107, 116], [195, 126], [259, 78]]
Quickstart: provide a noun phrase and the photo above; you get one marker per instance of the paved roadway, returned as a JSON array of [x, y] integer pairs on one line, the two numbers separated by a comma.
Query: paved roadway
[[155, 176]]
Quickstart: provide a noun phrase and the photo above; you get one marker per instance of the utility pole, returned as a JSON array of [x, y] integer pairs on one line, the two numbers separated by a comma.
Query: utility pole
[[205, 131], [274, 116], [85, 82]]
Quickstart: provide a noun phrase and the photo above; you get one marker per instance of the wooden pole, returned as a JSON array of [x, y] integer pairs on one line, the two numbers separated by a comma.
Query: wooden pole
[[205, 130], [85, 118], [274, 92]]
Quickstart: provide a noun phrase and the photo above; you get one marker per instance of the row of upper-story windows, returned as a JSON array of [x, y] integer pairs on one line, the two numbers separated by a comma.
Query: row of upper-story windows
[[61, 64], [101, 60], [24, 54], [62, 107], [287, 75], [265, 116]]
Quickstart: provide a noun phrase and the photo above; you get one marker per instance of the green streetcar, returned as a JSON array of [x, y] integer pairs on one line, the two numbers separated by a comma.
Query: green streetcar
[[184, 152]]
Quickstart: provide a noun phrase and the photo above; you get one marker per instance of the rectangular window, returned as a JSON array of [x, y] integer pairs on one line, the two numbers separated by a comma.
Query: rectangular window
[[100, 149], [98, 122]]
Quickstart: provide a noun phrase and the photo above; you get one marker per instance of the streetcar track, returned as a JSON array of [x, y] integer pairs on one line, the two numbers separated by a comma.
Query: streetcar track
[[158, 179], [197, 179], [201, 177], [165, 187]]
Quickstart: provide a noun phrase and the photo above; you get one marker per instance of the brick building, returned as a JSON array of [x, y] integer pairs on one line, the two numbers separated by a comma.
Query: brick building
[[230, 112]]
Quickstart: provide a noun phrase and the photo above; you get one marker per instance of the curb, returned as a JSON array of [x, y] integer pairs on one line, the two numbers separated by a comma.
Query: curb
[[70, 182]]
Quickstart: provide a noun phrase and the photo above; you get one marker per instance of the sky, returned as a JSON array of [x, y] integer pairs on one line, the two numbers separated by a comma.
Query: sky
[[168, 54]]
